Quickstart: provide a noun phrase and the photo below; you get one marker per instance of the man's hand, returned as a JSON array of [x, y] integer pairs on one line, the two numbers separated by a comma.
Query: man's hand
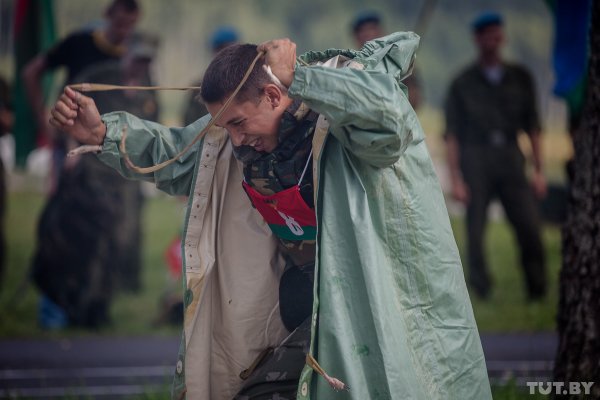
[[538, 182], [281, 58], [77, 115], [460, 191]]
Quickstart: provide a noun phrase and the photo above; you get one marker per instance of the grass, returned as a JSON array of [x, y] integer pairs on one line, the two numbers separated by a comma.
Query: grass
[[133, 314], [513, 392], [507, 309]]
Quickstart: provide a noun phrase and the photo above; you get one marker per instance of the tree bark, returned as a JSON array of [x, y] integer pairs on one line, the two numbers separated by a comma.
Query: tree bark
[[578, 357]]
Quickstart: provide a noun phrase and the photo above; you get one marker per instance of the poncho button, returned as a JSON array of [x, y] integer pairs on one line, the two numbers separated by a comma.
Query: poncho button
[[304, 389], [179, 367]]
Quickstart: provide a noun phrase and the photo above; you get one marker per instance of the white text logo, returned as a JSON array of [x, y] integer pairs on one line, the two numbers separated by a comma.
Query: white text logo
[[560, 387]]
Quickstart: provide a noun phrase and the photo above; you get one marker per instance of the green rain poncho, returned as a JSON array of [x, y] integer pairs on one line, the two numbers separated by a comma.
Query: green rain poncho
[[392, 316]]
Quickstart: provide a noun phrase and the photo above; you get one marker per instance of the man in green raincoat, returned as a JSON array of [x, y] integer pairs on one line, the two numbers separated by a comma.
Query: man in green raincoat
[[317, 176]]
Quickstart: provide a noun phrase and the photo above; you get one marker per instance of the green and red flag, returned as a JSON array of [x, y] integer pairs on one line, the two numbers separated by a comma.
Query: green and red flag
[[286, 213], [34, 32]]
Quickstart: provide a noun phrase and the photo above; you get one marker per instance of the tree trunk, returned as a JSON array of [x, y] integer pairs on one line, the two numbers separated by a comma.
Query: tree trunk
[[578, 357]]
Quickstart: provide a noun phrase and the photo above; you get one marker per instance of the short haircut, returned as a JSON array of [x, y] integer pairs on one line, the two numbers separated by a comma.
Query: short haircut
[[226, 71], [127, 5]]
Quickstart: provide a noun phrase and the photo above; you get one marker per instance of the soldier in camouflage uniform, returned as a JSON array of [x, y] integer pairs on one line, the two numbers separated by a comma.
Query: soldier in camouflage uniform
[[270, 173], [132, 70], [391, 315], [91, 228], [273, 172]]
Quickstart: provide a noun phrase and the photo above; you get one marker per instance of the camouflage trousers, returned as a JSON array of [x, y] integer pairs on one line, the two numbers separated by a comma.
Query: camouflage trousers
[[276, 376]]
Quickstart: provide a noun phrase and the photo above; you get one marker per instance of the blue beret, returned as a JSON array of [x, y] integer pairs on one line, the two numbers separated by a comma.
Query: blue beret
[[363, 17], [486, 19], [223, 35]]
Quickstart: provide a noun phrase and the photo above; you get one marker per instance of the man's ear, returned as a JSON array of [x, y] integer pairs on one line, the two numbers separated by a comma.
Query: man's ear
[[273, 95]]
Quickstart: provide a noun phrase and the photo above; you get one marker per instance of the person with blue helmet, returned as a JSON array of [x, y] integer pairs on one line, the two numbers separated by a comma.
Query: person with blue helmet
[[488, 104], [222, 37], [367, 25]]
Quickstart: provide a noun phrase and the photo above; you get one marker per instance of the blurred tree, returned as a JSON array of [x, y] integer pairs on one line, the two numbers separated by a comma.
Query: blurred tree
[[579, 306]]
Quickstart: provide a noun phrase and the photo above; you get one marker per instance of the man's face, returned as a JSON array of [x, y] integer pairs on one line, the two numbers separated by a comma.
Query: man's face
[[368, 31], [490, 40], [120, 24], [250, 123]]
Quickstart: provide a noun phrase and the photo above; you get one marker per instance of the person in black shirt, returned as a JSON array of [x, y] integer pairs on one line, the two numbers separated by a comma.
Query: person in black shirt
[[488, 104], [79, 51], [74, 279]]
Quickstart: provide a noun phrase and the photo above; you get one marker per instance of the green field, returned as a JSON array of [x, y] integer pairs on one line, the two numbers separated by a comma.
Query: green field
[[132, 314], [506, 310]]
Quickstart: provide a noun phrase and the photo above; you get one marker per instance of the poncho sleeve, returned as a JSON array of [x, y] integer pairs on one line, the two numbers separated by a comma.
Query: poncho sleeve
[[367, 110], [150, 143]]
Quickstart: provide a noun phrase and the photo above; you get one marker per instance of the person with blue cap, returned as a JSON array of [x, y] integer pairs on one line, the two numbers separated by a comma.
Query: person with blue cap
[[367, 26], [486, 19], [487, 106], [221, 38]]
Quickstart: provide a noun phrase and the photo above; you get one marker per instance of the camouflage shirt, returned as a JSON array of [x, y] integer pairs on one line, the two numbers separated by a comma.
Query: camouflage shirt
[[269, 173]]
